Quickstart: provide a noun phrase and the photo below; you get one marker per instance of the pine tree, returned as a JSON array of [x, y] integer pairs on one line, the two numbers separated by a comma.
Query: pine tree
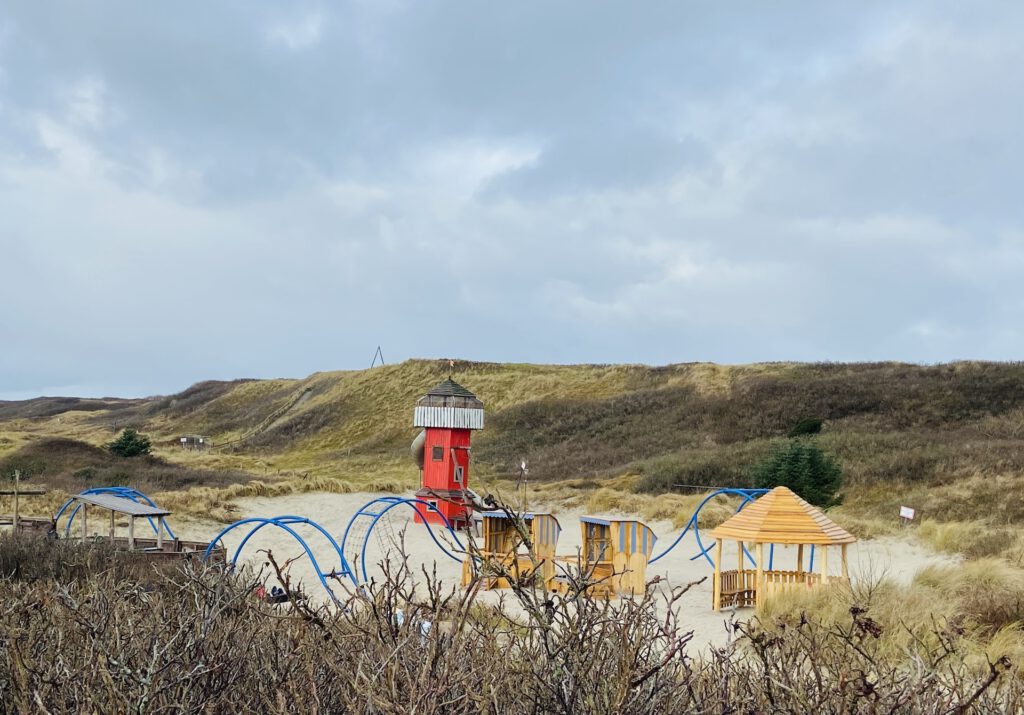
[[130, 444], [805, 469]]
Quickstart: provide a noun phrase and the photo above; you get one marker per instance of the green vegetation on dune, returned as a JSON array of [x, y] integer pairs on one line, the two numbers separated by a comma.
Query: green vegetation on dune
[[936, 437]]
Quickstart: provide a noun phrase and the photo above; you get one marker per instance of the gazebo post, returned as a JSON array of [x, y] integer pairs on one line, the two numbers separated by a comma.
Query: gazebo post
[[131, 533], [760, 575], [110, 531], [824, 563], [739, 557], [799, 558], [718, 575], [160, 533], [85, 522], [846, 568]]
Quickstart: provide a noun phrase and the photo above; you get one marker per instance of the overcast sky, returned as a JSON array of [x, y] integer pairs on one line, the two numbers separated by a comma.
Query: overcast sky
[[196, 190]]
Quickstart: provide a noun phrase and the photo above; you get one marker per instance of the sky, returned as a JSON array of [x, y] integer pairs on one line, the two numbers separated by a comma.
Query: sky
[[215, 190]]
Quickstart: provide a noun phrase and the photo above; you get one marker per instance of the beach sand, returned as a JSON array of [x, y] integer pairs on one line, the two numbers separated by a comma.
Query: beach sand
[[894, 559]]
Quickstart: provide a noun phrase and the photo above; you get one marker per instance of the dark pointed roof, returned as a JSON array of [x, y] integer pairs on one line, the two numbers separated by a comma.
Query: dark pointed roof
[[450, 388], [450, 394]]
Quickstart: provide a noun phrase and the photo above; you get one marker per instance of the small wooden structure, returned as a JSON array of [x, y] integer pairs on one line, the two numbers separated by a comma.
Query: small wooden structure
[[195, 442], [15, 519], [502, 543], [778, 517], [614, 552], [117, 506]]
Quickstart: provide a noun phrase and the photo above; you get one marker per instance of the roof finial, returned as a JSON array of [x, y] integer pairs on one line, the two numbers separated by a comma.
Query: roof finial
[[451, 368]]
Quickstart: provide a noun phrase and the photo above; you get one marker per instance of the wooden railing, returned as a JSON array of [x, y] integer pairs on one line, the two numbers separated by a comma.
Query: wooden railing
[[171, 548], [739, 588]]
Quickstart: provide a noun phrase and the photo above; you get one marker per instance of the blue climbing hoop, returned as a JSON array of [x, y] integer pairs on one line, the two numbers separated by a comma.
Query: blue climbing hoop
[[747, 496], [372, 510], [286, 523], [125, 493]]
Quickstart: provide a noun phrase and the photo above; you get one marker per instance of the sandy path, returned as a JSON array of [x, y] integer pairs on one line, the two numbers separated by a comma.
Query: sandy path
[[895, 559]]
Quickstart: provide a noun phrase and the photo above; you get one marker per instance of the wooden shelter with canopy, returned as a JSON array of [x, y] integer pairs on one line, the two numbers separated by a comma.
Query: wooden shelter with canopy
[[614, 553], [779, 517], [83, 506], [503, 544]]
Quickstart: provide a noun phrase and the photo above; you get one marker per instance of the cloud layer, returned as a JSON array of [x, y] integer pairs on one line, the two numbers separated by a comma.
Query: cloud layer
[[202, 190]]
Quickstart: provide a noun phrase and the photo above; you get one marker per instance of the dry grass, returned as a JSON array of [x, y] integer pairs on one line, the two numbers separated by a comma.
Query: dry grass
[[982, 601], [218, 503], [943, 439]]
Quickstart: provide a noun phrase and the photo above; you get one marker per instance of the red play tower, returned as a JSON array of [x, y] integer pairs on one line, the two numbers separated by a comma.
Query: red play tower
[[448, 414]]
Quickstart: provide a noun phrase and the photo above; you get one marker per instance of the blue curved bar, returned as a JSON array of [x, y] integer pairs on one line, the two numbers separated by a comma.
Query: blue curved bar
[[389, 504], [295, 520], [124, 493], [285, 523], [748, 496]]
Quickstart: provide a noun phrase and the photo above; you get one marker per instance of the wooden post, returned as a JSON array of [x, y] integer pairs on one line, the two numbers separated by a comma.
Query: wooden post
[[160, 533], [760, 575], [131, 533], [824, 563], [85, 522], [739, 557], [717, 598], [800, 558], [17, 480], [111, 529], [846, 567]]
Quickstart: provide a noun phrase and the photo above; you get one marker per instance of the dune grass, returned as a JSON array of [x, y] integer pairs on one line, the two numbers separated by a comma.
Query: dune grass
[[980, 600], [943, 439]]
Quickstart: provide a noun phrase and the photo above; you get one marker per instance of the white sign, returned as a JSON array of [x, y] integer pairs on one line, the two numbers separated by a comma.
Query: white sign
[[906, 513]]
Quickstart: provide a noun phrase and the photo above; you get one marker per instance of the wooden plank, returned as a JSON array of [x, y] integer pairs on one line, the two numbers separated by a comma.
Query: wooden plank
[[120, 505], [716, 598], [760, 576], [781, 517]]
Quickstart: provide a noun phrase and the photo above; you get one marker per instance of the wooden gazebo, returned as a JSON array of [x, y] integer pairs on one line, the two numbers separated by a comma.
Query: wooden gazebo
[[779, 517]]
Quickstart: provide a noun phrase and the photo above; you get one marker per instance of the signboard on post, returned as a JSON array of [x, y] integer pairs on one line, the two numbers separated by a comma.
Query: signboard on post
[[907, 514]]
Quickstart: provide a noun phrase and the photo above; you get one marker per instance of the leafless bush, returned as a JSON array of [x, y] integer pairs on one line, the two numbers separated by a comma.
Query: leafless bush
[[130, 637]]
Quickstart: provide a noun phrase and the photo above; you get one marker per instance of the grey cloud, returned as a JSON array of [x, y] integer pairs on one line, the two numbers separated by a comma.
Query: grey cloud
[[242, 189]]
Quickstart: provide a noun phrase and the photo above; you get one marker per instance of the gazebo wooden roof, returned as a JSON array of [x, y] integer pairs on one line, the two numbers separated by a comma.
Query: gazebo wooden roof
[[781, 517]]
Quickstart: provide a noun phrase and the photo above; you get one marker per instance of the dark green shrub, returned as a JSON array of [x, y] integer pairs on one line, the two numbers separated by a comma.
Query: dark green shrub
[[118, 479], [806, 426], [85, 474], [805, 469], [27, 467], [666, 473], [130, 444]]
